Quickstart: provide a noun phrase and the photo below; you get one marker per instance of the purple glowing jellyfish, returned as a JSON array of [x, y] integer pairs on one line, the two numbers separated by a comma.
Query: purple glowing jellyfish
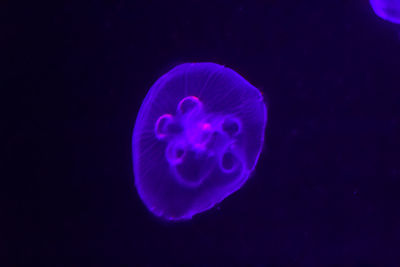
[[387, 9], [197, 138]]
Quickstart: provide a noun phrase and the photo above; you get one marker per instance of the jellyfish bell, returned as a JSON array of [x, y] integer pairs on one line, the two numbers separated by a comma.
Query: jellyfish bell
[[388, 10], [197, 138]]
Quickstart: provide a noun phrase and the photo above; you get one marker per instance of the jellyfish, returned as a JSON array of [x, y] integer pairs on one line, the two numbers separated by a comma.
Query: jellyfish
[[197, 138], [387, 9]]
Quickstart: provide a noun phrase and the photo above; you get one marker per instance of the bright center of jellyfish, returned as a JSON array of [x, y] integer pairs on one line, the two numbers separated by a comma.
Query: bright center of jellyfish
[[197, 142]]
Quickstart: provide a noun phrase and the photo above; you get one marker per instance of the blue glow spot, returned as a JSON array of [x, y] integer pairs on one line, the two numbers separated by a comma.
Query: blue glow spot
[[197, 138], [387, 9]]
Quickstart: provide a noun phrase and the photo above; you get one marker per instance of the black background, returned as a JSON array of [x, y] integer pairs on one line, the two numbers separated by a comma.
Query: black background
[[325, 190]]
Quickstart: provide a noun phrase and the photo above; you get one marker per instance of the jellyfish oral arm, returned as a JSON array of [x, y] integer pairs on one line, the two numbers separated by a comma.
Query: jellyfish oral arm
[[199, 135]]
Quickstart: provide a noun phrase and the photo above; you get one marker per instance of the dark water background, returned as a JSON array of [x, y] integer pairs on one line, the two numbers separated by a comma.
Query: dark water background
[[327, 185]]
